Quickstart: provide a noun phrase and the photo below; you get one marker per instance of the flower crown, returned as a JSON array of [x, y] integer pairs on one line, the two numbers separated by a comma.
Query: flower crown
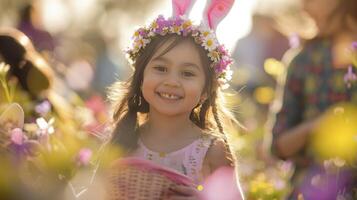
[[203, 34]]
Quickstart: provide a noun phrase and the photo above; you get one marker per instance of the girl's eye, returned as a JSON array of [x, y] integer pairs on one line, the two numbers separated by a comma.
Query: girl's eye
[[188, 74], [160, 68]]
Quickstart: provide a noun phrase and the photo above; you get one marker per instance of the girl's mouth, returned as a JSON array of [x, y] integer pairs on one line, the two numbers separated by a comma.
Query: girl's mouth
[[168, 96]]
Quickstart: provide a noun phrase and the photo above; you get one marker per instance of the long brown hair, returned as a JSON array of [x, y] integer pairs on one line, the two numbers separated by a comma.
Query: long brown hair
[[129, 106]]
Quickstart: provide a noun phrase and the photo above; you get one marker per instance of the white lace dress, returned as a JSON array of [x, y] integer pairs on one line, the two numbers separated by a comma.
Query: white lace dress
[[187, 160]]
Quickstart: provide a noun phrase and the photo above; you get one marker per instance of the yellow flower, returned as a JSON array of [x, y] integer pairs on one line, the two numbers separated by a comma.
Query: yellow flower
[[209, 44], [214, 55], [205, 33], [187, 24], [153, 25], [176, 29]]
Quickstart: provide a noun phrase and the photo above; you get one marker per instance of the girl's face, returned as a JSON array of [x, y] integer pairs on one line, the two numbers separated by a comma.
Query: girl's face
[[320, 11], [173, 82]]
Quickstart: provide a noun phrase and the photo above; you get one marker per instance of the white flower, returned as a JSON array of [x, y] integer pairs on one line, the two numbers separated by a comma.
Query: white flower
[[229, 74], [206, 32], [214, 56], [151, 34], [45, 127], [176, 29], [210, 43], [317, 180], [223, 83]]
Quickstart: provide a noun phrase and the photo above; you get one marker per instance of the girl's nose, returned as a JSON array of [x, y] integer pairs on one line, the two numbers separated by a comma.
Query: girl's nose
[[172, 81]]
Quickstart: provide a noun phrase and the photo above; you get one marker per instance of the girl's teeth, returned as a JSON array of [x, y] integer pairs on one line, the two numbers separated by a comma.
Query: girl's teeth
[[169, 96]]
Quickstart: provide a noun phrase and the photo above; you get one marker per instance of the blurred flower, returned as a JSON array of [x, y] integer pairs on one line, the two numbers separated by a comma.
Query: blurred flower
[[334, 136], [17, 136], [333, 165], [350, 77], [83, 157], [44, 126], [319, 185], [21, 145], [43, 108], [222, 181], [263, 188], [317, 181], [96, 103]]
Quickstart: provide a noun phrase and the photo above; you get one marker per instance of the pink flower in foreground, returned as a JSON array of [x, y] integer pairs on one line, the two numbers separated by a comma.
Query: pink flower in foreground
[[17, 136], [20, 145], [83, 157], [222, 181]]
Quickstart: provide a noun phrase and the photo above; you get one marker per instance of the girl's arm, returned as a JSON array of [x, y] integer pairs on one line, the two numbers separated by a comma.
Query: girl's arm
[[218, 155]]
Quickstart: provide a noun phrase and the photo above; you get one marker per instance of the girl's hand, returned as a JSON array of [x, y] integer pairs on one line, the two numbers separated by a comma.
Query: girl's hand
[[182, 192]]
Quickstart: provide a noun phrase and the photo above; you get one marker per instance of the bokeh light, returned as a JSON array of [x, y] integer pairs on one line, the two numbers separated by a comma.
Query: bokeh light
[[264, 95], [274, 67], [336, 134]]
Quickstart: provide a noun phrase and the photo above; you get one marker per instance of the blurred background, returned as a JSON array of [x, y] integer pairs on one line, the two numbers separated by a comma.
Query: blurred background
[[83, 41]]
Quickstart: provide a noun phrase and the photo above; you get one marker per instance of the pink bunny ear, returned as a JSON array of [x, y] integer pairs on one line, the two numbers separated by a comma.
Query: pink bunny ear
[[215, 11], [181, 7]]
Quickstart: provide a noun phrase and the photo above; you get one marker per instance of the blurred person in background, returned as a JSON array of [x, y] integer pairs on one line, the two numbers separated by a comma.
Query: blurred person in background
[[263, 42], [31, 24], [314, 82]]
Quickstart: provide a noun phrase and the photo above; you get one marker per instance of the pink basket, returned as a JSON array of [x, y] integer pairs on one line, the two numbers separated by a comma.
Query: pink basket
[[138, 179]]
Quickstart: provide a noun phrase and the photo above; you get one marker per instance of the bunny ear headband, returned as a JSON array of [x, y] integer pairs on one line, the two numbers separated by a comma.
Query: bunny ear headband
[[204, 34]]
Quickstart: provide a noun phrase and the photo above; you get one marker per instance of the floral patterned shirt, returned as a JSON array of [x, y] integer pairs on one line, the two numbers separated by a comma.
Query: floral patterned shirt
[[312, 85]]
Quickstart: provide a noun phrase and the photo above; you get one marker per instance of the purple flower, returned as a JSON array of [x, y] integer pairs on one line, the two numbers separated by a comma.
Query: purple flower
[[222, 50], [20, 145], [161, 23], [325, 186], [17, 136], [43, 108], [220, 66], [350, 77], [142, 32], [83, 157], [177, 21]]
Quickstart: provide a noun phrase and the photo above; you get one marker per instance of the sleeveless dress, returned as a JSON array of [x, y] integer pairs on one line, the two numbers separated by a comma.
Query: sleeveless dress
[[187, 160]]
